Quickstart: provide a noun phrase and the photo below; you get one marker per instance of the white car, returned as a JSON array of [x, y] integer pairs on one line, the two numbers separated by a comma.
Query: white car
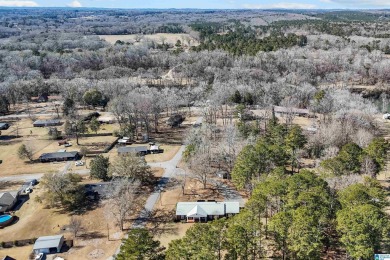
[[79, 163], [68, 145]]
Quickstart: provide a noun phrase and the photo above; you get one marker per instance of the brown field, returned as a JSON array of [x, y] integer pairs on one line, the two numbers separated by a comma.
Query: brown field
[[91, 243], [170, 38]]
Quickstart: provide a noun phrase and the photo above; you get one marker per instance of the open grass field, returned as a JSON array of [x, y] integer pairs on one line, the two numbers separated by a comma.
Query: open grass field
[[36, 220], [170, 38]]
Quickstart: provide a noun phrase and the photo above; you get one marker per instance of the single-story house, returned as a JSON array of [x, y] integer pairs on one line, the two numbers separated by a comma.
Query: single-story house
[[48, 244], [291, 110], [139, 150], [45, 98], [60, 156], [4, 126], [106, 120], [175, 120], [8, 200], [124, 140], [202, 211], [155, 149], [48, 122]]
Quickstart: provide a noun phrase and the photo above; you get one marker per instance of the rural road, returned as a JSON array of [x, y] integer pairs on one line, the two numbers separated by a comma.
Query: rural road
[[170, 169]]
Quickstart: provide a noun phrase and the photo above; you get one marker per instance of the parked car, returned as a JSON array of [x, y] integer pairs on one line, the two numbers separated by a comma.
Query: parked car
[[33, 182], [68, 144], [39, 256], [79, 163]]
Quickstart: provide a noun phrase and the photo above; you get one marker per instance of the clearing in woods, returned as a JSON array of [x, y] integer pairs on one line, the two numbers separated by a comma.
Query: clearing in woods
[[170, 38]]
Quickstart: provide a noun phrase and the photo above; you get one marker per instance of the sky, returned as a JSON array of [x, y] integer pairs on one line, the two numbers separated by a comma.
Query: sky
[[204, 4]]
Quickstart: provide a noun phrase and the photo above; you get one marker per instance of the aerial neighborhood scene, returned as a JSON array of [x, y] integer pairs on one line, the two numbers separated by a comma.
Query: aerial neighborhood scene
[[202, 130]]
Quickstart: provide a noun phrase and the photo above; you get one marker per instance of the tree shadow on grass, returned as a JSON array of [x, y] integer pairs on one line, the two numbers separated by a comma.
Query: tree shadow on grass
[[162, 222], [91, 235]]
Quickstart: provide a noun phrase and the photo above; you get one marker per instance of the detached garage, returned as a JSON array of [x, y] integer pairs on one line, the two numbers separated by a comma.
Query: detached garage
[[49, 244]]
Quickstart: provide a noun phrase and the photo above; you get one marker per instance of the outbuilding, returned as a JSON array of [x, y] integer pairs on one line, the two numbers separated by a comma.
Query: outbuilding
[[139, 150], [48, 122], [4, 126], [8, 200], [60, 156], [202, 211], [48, 244]]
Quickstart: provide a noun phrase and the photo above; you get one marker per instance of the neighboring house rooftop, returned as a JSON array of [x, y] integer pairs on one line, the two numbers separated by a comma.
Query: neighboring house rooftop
[[293, 110], [7, 199], [58, 155], [47, 122], [136, 149], [190, 209], [48, 242]]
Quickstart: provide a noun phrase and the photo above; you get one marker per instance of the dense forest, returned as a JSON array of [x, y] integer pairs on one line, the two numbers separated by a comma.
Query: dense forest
[[232, 62]]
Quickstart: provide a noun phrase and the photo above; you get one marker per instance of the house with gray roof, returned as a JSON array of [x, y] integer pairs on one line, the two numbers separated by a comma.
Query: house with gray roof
[[202, 211], [4, 126], [48, 122], [8, 200], [139, 150], [48, 244], [60, 157]]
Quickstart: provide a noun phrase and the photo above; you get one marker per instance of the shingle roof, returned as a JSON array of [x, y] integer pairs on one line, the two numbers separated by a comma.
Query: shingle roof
[[294, 110], [210, 208], [48, 242], [58, 155], [47, 122], [7, 198], [135, 149]]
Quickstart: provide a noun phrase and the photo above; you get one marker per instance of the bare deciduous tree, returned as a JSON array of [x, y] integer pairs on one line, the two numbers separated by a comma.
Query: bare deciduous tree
[[121, 199], [75, 225]]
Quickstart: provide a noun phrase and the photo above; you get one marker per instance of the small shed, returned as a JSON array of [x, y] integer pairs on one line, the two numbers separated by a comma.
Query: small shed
[[48, 122], [139, 150], [8, 200], [48, 244], [4, 126]]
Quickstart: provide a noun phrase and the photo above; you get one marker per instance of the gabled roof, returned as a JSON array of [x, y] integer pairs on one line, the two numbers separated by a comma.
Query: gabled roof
[[136, 149], [48, 242], [209, 208], [47, 122], [8, 198], [197, 212]]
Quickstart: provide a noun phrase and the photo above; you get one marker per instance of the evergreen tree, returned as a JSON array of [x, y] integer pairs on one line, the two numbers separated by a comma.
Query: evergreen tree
[[139, 245], [99, 168]]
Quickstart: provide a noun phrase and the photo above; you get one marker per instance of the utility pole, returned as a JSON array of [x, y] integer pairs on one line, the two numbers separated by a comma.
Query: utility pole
[[108, 233]]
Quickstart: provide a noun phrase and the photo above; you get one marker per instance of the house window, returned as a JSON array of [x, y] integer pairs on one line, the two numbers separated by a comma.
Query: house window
[[182, 217]]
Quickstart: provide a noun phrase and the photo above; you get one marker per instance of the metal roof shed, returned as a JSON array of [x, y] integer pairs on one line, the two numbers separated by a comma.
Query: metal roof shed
[[136, 150], [49, 244]]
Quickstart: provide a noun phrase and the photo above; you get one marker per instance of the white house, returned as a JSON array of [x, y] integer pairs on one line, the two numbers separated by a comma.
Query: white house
[[206, 210], [48, 244]]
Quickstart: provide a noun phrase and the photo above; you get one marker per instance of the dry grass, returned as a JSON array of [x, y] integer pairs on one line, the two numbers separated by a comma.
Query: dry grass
[[157, 172], [169, 152], [17, 252]]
